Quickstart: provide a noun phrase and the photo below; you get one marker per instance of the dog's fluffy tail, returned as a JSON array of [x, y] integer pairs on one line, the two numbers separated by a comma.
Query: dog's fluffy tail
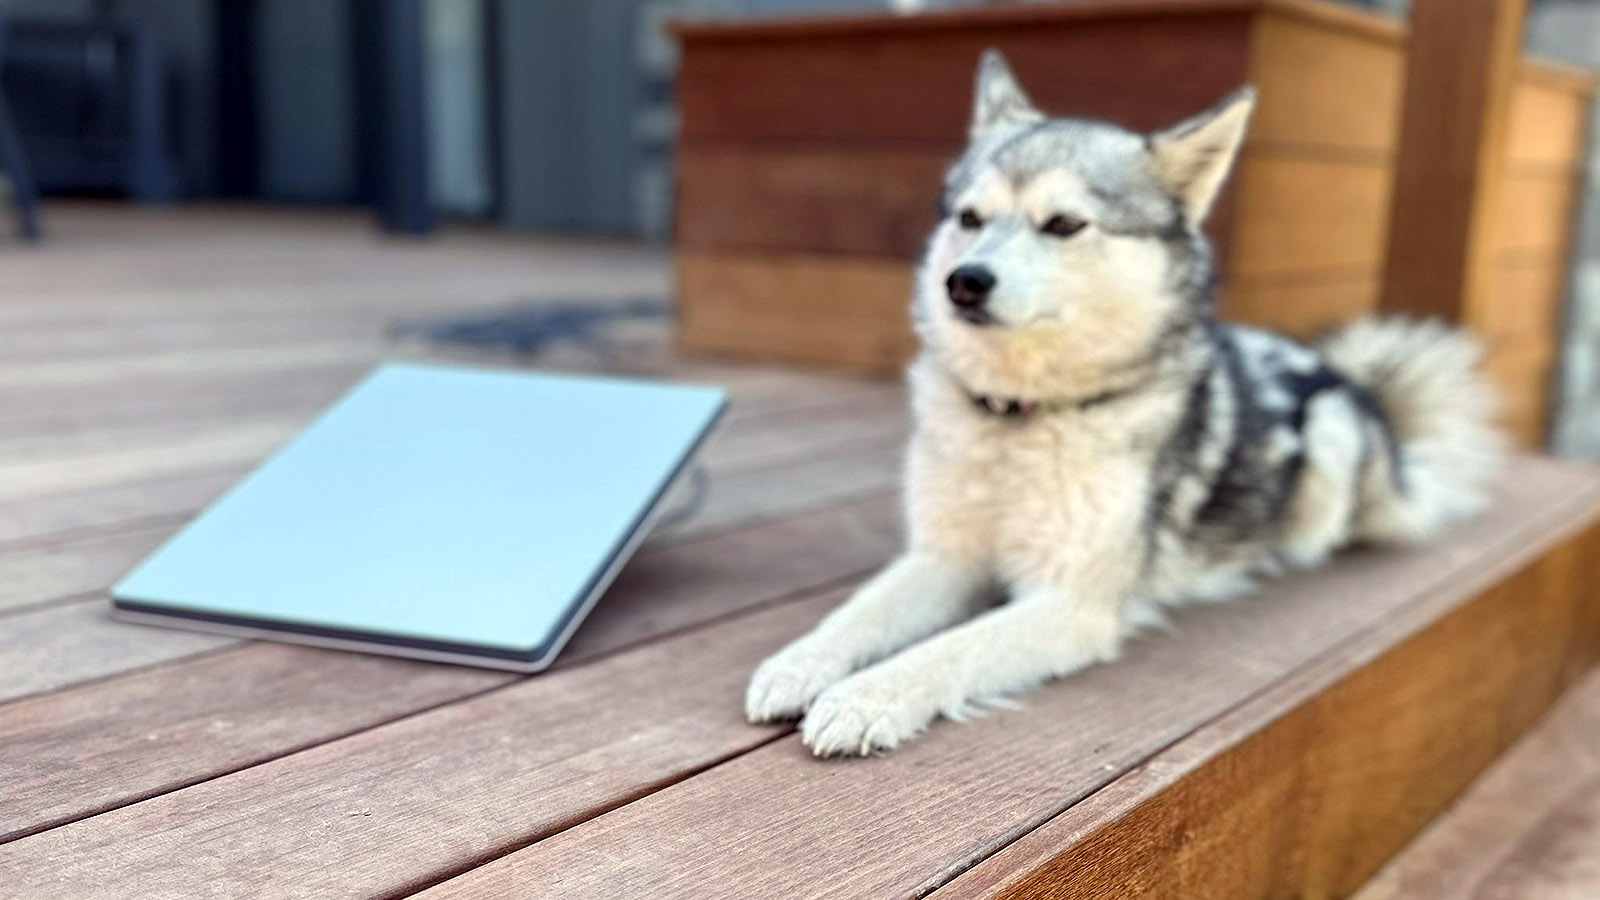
[[1439, 409]]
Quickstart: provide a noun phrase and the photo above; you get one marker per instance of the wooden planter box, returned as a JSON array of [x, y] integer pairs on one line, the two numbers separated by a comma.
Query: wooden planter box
[[812, 153]]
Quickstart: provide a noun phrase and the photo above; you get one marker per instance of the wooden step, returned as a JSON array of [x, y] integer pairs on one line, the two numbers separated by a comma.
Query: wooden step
[[1529, 829], [1284, 746]]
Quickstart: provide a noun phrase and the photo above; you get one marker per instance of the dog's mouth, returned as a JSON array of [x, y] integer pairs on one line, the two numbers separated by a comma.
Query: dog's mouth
[[973, 316]]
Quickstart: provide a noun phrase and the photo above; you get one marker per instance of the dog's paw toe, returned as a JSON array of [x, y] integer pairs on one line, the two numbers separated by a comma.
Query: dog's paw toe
[[784, 686], [856, 718]]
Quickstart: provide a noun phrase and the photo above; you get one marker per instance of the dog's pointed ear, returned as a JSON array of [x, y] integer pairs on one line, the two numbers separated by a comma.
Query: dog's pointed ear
[[998, 98], [1194, 156]]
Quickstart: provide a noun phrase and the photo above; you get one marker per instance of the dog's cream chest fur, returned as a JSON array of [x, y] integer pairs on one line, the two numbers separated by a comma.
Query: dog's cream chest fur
[[1019, 495]]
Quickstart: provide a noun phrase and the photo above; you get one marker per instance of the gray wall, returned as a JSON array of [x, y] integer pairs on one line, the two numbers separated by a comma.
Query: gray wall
[[459, 164], [305, 101], [569, 95], [185, 29]]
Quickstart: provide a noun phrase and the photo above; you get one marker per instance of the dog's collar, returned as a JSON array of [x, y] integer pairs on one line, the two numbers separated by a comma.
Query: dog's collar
[[1017, 408]]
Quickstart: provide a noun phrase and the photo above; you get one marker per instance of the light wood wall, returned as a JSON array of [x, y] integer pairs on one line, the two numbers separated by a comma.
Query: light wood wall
[[1314, 188]]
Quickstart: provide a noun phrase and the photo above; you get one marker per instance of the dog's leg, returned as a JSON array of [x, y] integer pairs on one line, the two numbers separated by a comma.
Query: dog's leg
[[1324, 501], [1042, 634], [915, 596]]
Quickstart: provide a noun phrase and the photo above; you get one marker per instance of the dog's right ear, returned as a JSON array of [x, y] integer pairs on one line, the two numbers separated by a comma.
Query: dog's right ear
[[999, 99]]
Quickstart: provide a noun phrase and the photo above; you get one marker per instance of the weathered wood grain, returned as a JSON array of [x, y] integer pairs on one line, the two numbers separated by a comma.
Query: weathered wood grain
[[1303, 215], [960, 793], [1302, 308], [66, 644], [1145, 67], [397, 807], [1321, 88], [805, 308], [1307, 788], [183, 723], [115, 507], [1526, 830], [1451, 155], [38, 576], [872, 201]]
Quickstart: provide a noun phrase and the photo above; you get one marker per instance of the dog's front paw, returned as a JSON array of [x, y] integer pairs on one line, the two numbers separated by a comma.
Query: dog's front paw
[[864, 714], [784, 686]]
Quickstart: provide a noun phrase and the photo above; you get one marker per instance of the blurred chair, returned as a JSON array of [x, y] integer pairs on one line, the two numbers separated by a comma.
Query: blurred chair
[[12, 162]]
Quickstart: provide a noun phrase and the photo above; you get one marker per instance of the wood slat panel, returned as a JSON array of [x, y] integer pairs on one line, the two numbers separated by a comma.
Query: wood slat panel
[[1546, 127], [960, 793], [1533, 218], [1525, 301], [203, 718], [1321, 88], [1521, 371], [1525, 830], [915, 86], [876, 202], [1298, 214], [849, 311], [1299, 308], [1450, 161]]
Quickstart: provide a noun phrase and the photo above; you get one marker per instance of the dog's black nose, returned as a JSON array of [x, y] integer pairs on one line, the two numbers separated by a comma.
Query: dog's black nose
[[970, 286]]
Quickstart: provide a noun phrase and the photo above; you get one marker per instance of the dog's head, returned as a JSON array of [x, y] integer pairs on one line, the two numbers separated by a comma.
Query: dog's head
[[1068, 246]]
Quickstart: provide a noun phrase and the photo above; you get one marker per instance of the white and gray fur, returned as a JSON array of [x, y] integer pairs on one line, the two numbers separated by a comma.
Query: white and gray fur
[[1092, 445]]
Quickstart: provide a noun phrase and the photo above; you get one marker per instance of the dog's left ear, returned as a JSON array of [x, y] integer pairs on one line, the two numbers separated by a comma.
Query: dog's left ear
[[1193, 157], [998, 98]]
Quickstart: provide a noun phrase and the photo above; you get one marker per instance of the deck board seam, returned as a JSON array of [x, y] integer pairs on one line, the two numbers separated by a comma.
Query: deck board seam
[[793, 597]]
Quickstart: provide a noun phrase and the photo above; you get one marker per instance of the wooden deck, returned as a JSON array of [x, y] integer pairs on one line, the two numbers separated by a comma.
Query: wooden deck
[[1283, 746]]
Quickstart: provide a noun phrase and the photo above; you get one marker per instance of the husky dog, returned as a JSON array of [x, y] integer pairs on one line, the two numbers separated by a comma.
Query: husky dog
[[1092, 443]]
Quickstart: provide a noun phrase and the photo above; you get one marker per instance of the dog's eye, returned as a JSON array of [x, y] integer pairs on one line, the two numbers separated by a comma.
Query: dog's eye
[[970, 220], [1062, 226]]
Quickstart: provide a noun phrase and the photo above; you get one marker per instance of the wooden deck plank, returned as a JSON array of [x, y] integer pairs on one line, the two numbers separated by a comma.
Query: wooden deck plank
[[114, 507], [782, 823], [32, 578], [397, 807], [58, 646], [275, 699]]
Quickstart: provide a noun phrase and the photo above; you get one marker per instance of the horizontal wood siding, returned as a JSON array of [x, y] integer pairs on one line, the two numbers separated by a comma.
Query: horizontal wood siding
[[797, 308], [872, 202], [812, 157], [915, 87]]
